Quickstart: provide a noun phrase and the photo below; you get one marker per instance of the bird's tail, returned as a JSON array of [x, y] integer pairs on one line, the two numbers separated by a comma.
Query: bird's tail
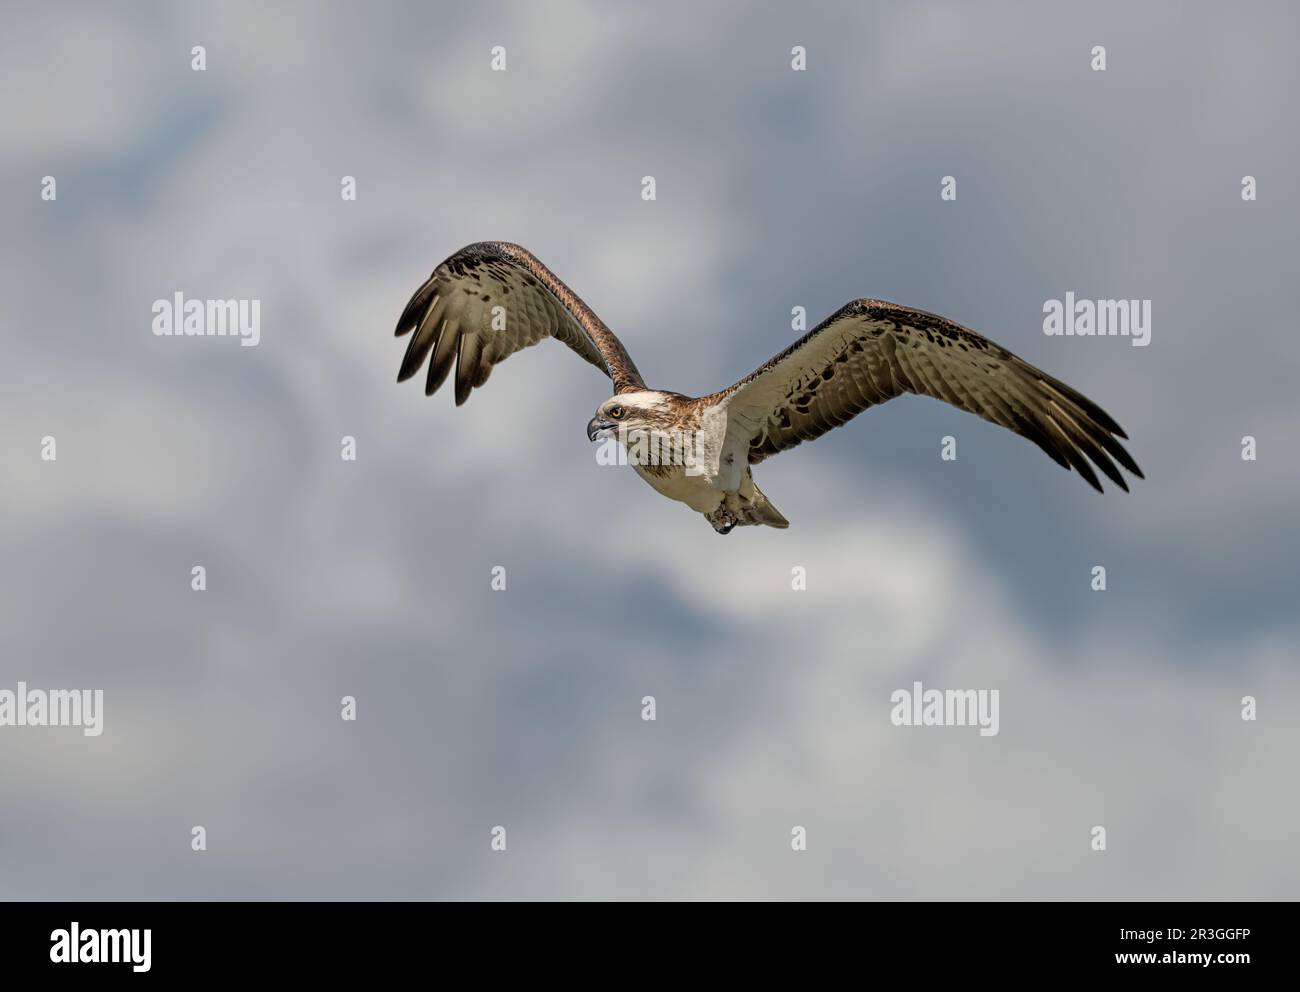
[[761, 511]]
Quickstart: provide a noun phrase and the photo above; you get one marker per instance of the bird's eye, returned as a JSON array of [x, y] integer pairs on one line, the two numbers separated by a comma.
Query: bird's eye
[[616, 412]]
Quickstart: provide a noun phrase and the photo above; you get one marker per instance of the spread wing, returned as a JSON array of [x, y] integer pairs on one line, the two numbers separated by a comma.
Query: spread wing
[[871, 351], [455, 319]]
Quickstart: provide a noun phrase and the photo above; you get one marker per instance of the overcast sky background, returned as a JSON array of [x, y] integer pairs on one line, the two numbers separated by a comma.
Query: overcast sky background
[[522, 708]]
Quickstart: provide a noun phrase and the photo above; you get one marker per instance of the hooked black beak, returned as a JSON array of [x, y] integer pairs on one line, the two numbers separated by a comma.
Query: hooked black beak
[[598, 429]]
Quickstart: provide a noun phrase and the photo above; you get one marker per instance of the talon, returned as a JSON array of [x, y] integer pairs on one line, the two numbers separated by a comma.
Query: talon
[[723, 520]]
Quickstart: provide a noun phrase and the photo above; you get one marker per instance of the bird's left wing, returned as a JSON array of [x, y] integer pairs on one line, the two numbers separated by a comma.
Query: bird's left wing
[[870, 351], [488, 301]]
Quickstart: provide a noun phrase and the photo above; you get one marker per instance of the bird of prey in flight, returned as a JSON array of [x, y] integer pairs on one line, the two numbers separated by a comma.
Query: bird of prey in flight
[[492, 299]]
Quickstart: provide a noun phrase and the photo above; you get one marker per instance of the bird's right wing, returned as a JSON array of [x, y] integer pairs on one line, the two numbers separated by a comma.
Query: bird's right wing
[[454, 317]]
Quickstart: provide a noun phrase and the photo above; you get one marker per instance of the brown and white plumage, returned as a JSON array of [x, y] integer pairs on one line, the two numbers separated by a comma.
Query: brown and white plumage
[[492, 299], [870, 351]]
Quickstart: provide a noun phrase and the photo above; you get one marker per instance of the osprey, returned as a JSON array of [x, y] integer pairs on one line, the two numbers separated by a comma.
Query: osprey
[[492, 299]]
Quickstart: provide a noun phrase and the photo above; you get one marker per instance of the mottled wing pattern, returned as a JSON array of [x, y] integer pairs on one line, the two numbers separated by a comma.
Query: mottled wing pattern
[[871, 351], [452, 316]]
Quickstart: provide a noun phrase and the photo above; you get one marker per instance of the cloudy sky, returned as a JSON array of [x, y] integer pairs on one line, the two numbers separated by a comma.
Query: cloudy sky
[[372, 578]]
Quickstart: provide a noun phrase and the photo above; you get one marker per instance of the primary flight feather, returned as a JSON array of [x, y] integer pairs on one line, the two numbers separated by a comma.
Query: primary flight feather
[[492, 299]]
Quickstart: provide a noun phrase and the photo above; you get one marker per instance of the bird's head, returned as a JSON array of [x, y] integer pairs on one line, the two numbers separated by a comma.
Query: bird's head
[[646, 410]]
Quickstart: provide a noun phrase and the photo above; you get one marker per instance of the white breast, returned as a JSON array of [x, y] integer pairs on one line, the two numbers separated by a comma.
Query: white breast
[[699, 492]]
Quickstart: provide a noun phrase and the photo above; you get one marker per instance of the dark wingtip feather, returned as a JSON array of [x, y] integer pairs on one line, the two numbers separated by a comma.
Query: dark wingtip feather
[[437, 376], [1099, 458], [412, 361], [1090, 430], [466, 364], [1094, 412], [439, 367], [422, 341], [1077, 460], [1089, 475], [1118, 452], [1097, 413], [407, 321], [1106, 465], [414, 309]]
